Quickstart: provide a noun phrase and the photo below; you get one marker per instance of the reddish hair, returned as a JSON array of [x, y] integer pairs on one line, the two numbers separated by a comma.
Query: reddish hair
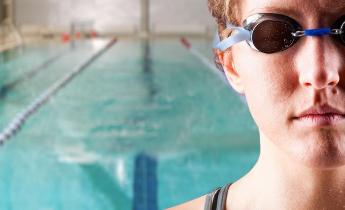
[[224, 11]]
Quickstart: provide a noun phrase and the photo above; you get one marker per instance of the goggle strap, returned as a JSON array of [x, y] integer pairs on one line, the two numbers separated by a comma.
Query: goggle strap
[[241, 35]]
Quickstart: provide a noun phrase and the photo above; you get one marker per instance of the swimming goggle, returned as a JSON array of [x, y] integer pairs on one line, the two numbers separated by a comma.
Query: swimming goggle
[[271, 33]]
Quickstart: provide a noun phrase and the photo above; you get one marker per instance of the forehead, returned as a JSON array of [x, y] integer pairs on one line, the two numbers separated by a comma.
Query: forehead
[[297, 8]]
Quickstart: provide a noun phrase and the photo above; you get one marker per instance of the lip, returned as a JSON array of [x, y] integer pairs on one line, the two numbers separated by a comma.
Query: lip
[[320, 116]]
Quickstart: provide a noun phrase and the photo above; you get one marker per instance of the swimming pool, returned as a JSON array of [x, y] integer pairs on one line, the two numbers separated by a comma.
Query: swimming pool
[[145, 126]]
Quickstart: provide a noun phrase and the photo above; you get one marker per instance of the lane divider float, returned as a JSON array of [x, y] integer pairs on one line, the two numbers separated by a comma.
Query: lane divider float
[[203, 59], [31, 73], [209, 64], [14, 126]]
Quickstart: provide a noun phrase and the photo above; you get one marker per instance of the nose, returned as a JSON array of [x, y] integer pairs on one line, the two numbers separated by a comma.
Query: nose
[[318, 62]]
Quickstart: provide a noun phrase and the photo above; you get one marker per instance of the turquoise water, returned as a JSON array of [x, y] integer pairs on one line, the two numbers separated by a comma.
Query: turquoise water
[[79, 150]]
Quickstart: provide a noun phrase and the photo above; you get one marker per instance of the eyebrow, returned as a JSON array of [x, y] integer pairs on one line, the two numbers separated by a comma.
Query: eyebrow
[[294, 12], [291, 12], [283, 10]]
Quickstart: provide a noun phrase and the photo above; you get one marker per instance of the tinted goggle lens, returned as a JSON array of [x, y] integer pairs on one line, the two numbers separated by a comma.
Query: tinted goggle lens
[[339, 25], [342, 36], [270, 36]]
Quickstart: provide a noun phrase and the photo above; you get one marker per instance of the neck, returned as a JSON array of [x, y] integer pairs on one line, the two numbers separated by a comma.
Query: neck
[[280, 183]]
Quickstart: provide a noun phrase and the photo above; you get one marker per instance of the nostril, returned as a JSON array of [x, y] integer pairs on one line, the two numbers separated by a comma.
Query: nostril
[[307, 84], [334, 80], [332, 83]]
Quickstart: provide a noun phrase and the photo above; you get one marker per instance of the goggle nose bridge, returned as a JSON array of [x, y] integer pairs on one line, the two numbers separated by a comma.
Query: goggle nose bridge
[[317, 32]]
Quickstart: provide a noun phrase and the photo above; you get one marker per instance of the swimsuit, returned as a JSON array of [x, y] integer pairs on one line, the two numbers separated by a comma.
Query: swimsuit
[[216, 199]]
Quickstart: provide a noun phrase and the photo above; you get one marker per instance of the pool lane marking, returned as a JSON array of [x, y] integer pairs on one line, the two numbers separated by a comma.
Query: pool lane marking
[[145, 185], [209, 64], [12, 128], [28, 75]]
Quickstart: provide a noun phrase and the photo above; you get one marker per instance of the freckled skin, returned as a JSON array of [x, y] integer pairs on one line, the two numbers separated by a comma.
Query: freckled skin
[[278, 86], [299, 167], [275, 95]]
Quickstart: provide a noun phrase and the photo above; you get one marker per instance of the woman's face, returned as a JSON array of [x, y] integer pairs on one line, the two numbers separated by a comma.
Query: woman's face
[[280, 86]]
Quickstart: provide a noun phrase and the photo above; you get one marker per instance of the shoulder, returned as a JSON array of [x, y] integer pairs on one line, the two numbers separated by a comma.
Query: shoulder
[[196, 204]]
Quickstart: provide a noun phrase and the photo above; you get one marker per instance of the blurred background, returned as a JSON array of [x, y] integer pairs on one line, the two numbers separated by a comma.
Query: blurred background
[[114, 104]]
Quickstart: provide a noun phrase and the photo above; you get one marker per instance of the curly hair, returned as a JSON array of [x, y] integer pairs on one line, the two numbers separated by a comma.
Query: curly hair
[[224, 11]]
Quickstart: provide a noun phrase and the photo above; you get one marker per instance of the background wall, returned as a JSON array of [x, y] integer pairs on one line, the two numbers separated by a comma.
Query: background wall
[[2, 10], [180, 15], [114, 16]]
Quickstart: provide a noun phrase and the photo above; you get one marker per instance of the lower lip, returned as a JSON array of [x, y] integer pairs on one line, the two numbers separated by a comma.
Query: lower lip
[[320, 119]]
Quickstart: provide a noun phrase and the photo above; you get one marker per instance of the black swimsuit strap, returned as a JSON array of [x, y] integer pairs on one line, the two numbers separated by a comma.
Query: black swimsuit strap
[[221, 203], [210, 197], [216, 200]]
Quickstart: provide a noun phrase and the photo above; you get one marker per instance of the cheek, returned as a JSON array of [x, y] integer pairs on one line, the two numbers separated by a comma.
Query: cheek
[[270, 84], [274, 78]]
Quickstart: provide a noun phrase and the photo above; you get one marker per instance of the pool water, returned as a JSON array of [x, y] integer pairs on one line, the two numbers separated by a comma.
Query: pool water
[[145, 126]]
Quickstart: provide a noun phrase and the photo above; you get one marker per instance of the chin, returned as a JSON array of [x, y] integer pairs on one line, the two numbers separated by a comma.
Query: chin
[[324, 163], [322, 150]]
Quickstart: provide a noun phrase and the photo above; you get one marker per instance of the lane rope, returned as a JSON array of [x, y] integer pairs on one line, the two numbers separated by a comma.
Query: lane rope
[[209, 64], [203, 59], [15, 125], [31, 73]]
